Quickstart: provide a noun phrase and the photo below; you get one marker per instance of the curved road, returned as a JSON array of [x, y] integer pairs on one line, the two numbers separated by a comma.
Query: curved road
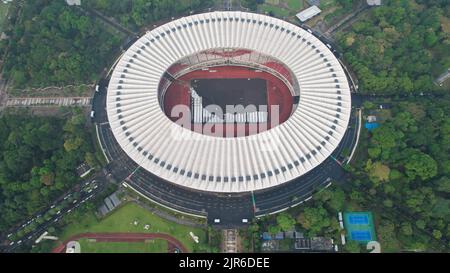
[[229, 208]]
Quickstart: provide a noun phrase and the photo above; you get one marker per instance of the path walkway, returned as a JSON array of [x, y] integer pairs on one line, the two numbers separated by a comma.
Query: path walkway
[[345, 21], [123, 237], [229, 244], [49, 101]]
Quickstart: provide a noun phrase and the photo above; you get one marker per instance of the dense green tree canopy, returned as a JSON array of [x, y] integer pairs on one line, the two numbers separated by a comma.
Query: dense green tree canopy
[[399, 47], [54, 44], [139, 13], [34, 166]]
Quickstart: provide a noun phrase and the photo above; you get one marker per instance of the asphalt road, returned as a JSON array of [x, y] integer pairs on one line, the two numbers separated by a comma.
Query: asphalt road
[[231, 209], [29, 238]]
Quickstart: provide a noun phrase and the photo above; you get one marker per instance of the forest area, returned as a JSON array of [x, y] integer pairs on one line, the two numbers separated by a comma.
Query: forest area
[[139, 13], [52, 44], [402, 169], [38, 161], [401, 175], [400, 47]]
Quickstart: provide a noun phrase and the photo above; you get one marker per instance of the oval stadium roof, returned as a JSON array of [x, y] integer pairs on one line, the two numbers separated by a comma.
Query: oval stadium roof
[[239, 164]]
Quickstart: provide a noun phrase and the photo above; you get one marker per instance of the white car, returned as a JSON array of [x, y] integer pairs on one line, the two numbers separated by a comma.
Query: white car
[[11, 243], [96, 186], [217, 221], [245, 221], [19, 242], [309, 31], [53, 206], [97, 88], [59, 212]]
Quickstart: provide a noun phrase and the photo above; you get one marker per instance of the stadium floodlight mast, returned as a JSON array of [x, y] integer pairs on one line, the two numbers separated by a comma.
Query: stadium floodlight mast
[[309, 135]]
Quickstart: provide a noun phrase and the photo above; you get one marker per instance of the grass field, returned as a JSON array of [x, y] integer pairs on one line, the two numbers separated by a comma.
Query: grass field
[[151, 246], [295, 5], [327, 4], [276, 10], [122, 220], [282, 8]]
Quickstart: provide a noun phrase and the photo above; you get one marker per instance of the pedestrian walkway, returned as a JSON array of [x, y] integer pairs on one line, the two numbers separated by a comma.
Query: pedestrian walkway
[[229, 244], [52, 101]]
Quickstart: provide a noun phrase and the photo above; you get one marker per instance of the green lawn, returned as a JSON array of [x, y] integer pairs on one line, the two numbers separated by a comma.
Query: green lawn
[[122, 220], [277, 11], [327, 4], [151, 246], [282, 8], [295, 5]]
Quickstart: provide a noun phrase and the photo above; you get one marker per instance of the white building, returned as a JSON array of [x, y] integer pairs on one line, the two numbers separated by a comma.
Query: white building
[[241, 164], [374, 2], [73, 2], [308, 13]]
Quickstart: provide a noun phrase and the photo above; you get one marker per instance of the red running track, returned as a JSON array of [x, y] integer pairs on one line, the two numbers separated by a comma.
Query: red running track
[[123, 237], [277, 94]]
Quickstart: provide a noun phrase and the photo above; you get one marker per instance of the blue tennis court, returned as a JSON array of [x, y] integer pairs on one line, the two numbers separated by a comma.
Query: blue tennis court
[[360, 226], [363, 236], [371, 126], [358, 219]]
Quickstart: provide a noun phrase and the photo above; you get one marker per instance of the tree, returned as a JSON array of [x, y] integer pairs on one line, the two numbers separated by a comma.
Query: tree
[[437, 234], [352, 247], [443, 184], [421, 165], [387, 236], [386, 138], [314, 220], [406, 229], [34, 165], [285, 222], [378, 172]]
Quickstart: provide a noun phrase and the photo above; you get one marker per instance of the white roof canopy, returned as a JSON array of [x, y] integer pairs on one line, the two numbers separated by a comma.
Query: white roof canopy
[[239, 164], [308, 13]]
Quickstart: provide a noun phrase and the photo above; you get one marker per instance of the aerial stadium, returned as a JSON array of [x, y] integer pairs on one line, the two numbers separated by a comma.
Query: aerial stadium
[[167, 110]]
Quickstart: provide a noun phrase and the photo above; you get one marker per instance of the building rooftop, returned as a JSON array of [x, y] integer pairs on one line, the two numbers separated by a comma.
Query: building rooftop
[[241, 164], [374, 2], [308, 13]]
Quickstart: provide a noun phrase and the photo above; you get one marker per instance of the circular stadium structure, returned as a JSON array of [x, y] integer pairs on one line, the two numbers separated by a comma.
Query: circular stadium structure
[[224, 58]]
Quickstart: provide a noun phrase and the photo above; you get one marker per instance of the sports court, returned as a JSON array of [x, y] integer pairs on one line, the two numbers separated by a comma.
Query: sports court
[[223, 92], [232, 85], [359, 226]]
